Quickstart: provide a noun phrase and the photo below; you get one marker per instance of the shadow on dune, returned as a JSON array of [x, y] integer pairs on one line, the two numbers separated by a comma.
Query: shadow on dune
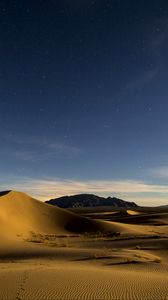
[[24, 255], [82, 225], [3, 193], [148, 219]]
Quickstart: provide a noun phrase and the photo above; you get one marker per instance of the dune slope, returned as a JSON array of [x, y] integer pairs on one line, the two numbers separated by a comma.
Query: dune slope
[[21, 214]]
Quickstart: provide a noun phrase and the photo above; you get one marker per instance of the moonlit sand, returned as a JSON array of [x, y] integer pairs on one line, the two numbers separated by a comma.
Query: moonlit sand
[[50, 253]]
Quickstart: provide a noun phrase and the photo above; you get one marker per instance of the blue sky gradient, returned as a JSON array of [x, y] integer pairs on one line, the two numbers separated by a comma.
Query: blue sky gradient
[[83, 98]]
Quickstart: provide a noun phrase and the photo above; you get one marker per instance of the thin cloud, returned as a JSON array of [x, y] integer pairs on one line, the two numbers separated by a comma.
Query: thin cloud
[[144, 79], [160, 35], [34, 148], [50, 188], [159, 172], [156, 40]]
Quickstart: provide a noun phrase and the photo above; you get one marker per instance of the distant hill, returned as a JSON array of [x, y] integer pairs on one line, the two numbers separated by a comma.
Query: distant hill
[[89, 200]]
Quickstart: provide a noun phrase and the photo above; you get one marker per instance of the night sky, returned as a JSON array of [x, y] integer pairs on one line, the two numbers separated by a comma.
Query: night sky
[[84, 98]]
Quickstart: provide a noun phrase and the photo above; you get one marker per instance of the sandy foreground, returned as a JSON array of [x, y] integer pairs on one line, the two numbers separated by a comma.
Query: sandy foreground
[[49, 253]]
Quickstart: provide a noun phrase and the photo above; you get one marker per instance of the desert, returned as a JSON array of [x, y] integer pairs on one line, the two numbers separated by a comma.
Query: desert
[[84, 150], [47, 252]]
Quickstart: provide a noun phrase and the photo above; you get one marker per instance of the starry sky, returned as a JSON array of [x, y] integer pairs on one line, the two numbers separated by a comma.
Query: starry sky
[[84, 98]]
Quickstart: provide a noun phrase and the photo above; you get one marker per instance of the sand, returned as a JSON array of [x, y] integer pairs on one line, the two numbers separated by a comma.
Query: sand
[[50, 253]]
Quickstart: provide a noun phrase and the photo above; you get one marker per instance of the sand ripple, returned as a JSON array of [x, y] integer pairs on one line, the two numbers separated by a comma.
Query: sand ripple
[[74, 281]]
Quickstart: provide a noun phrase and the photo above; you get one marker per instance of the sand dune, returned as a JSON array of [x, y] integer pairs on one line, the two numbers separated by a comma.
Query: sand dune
[[23, 218], [50, 253], [20, 214], [143, 216]]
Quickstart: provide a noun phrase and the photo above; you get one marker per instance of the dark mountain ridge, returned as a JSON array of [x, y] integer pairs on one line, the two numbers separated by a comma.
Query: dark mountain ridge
[[89, 200]]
